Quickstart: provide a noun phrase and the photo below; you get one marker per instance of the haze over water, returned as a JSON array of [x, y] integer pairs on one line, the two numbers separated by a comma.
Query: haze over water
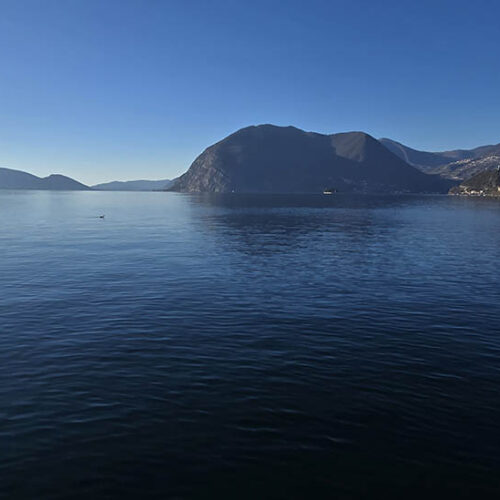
[[189, 346]]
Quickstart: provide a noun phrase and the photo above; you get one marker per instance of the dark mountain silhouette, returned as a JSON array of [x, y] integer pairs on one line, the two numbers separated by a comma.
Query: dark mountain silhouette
[[272, 159], [139, 185], [17, 179], [437, 162]]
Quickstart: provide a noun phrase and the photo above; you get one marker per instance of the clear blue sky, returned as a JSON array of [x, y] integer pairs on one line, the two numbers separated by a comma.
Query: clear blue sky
[[123, 89]]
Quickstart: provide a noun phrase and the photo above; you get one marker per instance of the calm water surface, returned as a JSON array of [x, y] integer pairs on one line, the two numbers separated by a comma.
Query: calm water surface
[[248, 346]]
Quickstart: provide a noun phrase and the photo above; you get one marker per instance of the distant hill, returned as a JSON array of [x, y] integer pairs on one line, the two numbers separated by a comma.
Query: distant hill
[[271, 159], [139, 185], [486, 183], [465, 169], [455, 164], [425, 160], [17, 179]]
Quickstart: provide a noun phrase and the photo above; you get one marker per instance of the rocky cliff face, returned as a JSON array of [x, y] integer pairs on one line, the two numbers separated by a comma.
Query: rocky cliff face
[[274, 159], [486, 183]]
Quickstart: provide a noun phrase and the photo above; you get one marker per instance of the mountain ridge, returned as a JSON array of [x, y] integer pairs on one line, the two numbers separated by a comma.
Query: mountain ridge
[[444, 163], [134, 185], [269, 158], [18, 179]]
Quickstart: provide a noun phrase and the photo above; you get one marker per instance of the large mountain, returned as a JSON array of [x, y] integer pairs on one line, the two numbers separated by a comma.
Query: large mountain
[[17, 179], [139, 185], [267, 158], [456, 164]]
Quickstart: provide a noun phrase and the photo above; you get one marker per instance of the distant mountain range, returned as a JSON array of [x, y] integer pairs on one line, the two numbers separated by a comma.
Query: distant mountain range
[[465, 169], [16, 179], [458, 164], [139, 185], [272, 159]]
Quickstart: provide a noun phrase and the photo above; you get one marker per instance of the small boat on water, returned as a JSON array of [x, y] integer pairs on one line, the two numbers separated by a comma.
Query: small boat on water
[[329, 191]]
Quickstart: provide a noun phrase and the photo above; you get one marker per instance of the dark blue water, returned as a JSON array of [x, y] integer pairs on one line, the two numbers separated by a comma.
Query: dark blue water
[[248, 346]]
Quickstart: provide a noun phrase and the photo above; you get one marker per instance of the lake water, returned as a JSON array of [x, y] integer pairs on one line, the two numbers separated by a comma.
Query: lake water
[[236, 346]]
